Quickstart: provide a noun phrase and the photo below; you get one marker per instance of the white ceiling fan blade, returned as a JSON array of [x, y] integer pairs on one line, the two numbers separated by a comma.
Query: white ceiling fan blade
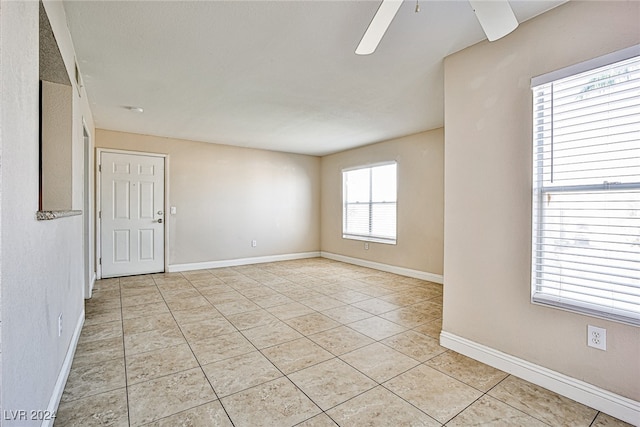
[[378, 26], [495, 16]]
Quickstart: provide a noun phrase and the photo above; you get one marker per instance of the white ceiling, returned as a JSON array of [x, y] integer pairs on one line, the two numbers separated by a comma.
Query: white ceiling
[[275, 75]]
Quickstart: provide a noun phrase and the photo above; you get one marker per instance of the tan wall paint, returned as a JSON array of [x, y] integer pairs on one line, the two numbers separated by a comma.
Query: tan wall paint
[[56, 146], [41, 267], [228, 196], [488, 146], [420, 202]]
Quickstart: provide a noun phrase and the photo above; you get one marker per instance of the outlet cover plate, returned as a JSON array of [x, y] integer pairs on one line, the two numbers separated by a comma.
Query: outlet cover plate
[[597, 337]]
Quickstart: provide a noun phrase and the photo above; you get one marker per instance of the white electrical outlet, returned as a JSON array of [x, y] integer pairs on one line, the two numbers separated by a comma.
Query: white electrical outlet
[[254, 243], [60, 325], [597, 337], [366, 246]]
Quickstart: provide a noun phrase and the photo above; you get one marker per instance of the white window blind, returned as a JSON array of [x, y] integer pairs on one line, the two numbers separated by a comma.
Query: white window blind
[[369, 203], [586, 198]]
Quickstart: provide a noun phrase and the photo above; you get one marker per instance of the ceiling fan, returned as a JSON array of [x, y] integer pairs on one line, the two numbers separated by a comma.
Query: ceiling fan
[[495, 16]]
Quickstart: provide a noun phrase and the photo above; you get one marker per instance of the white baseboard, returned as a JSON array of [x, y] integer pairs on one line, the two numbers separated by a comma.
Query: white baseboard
[[240, 261], [610, 403], [58, 389], [416, 274]]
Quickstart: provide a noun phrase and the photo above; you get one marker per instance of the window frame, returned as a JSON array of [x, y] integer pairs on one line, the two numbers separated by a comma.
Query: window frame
[[369, 237], [541, 193]]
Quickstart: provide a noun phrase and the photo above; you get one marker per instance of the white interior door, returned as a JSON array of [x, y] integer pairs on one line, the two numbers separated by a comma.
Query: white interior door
[[132, 214]]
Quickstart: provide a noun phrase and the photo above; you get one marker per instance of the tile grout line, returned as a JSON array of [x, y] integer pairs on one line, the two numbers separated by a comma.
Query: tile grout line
[[194, 356], [257, 350], [305, 336], [510, 405], [322, 411], [308, 282], [254, 346], [377, 383], [148, 351], [124, 355], [218, 398], [263, 355]]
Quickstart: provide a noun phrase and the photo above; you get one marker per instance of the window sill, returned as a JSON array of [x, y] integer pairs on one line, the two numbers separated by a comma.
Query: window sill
[[586, 309], [369, 239], [50, 215]]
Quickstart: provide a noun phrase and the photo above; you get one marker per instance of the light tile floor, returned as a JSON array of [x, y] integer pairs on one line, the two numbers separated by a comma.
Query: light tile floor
[[310, 343]]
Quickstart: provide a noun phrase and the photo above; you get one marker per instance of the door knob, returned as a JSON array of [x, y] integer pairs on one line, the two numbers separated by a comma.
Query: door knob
[[159, 220]]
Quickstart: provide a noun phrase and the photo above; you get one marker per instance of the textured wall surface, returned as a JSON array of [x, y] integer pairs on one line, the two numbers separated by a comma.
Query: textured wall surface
[[420, 202], [57, 123], [41, 266], [488, 167], [228, 196]]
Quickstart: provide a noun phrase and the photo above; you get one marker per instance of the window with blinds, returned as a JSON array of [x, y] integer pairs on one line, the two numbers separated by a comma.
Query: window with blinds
[[369, 203], [586, 178]]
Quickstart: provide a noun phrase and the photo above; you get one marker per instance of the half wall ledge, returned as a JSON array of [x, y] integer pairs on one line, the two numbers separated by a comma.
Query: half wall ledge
[[49, 215]]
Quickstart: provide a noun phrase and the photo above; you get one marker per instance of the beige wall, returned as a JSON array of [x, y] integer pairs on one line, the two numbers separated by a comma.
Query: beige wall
[[228, 196], [420, 202], [56, 146], [41, 262], [488, 146]]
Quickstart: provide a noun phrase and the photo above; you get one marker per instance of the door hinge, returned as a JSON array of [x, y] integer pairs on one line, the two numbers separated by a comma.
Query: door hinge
[[99, 168], [99, 214]]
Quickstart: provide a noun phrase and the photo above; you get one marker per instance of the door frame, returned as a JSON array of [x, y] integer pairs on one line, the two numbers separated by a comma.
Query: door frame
[[98, 190], [88, 216]]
